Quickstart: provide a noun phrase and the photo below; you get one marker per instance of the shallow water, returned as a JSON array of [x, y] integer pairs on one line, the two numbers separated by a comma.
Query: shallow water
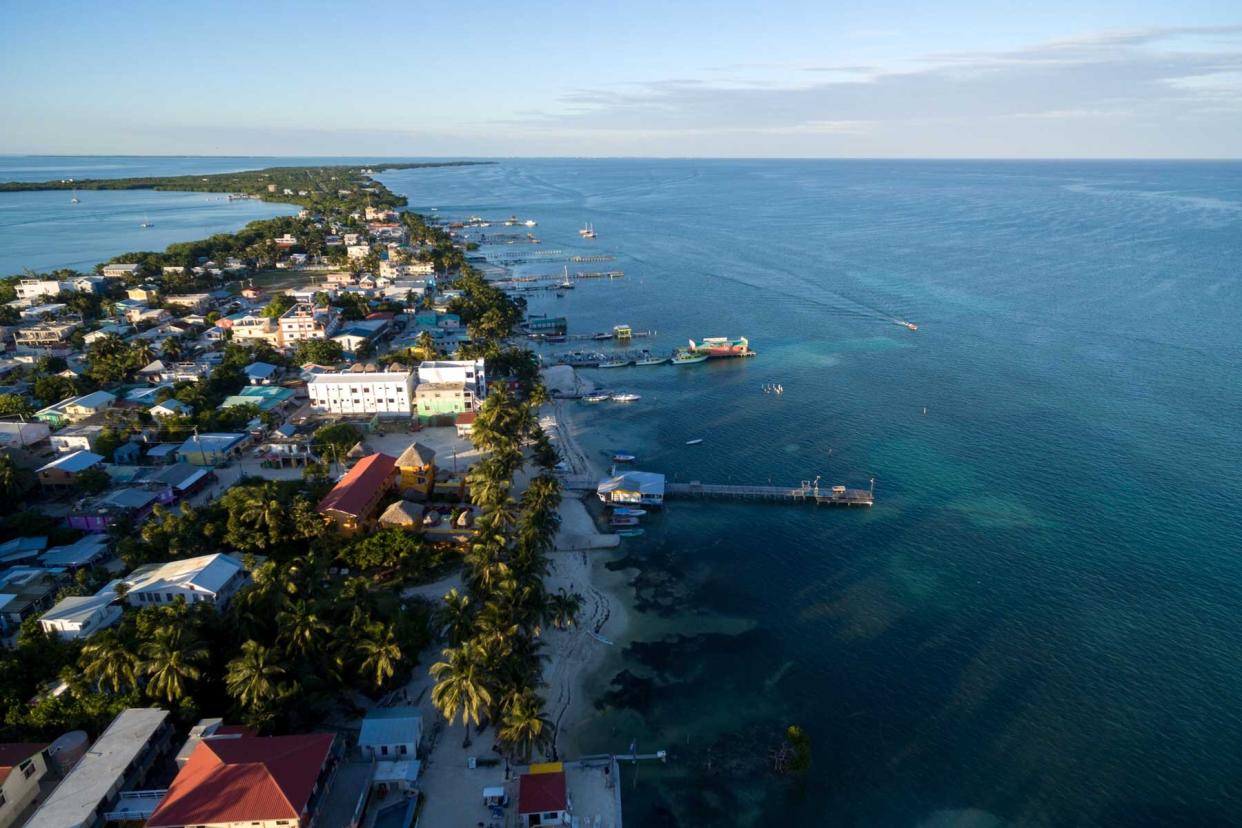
[[1036, 624]]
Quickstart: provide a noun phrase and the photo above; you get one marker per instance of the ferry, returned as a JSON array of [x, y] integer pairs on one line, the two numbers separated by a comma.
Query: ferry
[[688, 358], [717, 347], [625, 398], [906, 324]]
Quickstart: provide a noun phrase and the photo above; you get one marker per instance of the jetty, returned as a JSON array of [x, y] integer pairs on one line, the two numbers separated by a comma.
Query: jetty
[[808, 491]]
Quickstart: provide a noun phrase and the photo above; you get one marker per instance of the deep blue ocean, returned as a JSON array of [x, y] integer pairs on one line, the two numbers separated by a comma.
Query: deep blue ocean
[[1038, 622]]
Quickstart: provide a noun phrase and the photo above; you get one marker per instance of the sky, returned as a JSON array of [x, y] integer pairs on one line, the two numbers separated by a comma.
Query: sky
[[783, 78]]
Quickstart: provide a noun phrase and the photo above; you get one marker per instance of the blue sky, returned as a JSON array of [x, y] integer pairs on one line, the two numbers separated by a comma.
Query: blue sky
[[803, 79]]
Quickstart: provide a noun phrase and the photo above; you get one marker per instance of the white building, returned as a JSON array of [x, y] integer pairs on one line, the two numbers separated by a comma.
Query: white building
[[22, 766], [212, 578], [305, 321], [391, 733], [20, 435], [32, 290], [380, 392], [120, 271], [468, 372], [82, 615]]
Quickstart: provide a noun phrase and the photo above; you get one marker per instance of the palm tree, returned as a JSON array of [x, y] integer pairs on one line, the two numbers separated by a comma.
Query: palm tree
[[108, 663], [460, 686], [426, 345], [456, 617], [300, 627], [381, 653], [253, 678], [523, 726], [263, 515], [563, 609], [172, 660], [172, 348], [14, 480]]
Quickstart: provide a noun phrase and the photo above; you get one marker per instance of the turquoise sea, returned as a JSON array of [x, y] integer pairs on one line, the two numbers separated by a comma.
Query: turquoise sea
[[1037, 624]]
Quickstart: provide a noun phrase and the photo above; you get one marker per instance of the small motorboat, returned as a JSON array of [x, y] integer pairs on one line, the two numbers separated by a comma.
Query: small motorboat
[[628, 511], [629, 533], [694, 442], [626, 398], [597, 397], [614, 362], [623, 457], [623, 520]]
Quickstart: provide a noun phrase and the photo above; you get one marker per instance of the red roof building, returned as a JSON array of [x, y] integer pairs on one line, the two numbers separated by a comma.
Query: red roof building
[[248, 779], [541, 798], [352, 502]]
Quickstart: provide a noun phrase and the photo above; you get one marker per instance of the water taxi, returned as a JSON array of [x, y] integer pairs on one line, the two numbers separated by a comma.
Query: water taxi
[[688, 358]]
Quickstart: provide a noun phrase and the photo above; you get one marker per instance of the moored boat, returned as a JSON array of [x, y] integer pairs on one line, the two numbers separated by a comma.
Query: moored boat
[[597, 397], [629, 533], [627, 511], [624, 457], [614, 362], [688, 358], [625, 398], [623, 520], [648, 358], [717, 347]]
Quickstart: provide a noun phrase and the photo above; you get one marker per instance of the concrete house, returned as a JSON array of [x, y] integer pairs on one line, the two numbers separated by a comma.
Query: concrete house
[[391, 733], [81, 616], [62, 473], [22, 766], [212, 579]]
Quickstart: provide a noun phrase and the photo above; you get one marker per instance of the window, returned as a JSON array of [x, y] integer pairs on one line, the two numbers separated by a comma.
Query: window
[[27, 768], [384, 749], [404, 751]]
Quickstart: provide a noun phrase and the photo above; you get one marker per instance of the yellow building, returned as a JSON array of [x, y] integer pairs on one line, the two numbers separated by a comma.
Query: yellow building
[[417, 471]]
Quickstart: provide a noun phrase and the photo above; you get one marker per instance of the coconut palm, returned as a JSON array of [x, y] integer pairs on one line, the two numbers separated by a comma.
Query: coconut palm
[[253, 677], [460, 686], [261, 517], [171, 348], [523, 726], [456, 617], [563, 609], [300, 627], [108, 663], [172, 659], [14, 480], [380, 653]]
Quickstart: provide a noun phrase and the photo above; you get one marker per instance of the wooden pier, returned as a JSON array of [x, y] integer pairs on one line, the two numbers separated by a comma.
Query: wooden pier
[[807, 492]]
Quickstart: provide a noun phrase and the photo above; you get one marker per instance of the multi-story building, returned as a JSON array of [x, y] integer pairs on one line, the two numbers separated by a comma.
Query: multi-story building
[[22, 765], [306, 321], [468, 372], [439, 403], [33, 290], [210, 578], [363, 392], [249, 328], [45, 338]]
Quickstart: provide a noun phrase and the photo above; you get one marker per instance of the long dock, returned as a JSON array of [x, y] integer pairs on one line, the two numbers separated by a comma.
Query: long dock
[[806, 492]]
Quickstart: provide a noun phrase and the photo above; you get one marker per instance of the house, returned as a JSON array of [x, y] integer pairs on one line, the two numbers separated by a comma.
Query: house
[[75, 438], [465, 423], [391, 733], [119, 760], [416, 468], [266, 398], [121, 271], [542, 798], [32, 290], [163, 453], [306, 321], [170, 408], [45, 338], [362, 392], [236, 779], [85, 551], [83, 615], [261, 373], [632, 489], [192, 302], [125, 508], [22, 766], [212, 449], [76, 409], [439, 403], [213, 579], [358, 334], [24, 591], [127, 453], [248, 328], [469, 372], [23, 434], [352, 503], [62, 473], [22, 550], [146, 294]]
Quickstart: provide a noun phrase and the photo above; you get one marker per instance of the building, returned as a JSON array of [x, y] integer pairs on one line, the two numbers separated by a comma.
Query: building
[[24, 591], [83, 615], [236, 779], [170, 408], [352, 503], [248, 328], [87, 550], [121, 271], [632, 489], [267, 398], [465, 423], [23, 434], [391, 733], [416, 468], [212, 449], [306, 321], [362, 392], [118, 761], [360, 333], [469, 372], [76, 409], [45, 338], [32, 290], [193, 302], [210, 578], [75, 438], [261, 373], [439, 403], [62, 473], [22, 766], [145, 294], [542, 798]]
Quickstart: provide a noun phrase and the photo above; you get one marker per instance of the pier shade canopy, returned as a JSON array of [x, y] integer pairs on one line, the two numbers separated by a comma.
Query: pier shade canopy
[[634, 487]]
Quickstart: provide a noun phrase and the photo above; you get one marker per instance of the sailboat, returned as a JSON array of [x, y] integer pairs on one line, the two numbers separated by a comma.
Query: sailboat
[[75, 199], [146, 221], [568, 283], [587, 232]]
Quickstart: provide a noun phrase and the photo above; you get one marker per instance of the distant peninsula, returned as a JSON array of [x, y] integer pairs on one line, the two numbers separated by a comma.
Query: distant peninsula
[[314, 187]]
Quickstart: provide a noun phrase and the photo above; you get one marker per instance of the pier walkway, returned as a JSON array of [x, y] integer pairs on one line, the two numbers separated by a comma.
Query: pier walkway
[[806, 492]]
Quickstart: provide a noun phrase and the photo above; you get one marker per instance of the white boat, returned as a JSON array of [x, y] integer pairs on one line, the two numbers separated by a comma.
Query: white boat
[[623, 457], [597, 396], [146, 222], [616, 362], [530, 223], [587, 232], [650, 359], [75, 199], [688, 358], [625, 398], [694, 442]]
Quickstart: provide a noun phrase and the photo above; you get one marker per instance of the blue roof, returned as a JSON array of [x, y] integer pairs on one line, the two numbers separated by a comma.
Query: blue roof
[[262, 370], [75, 462]]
